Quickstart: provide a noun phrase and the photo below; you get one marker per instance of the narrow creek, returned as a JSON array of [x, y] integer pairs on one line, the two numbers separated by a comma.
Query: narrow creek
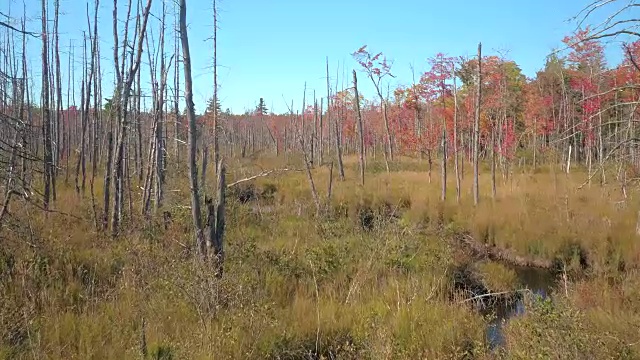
[[539, 281]]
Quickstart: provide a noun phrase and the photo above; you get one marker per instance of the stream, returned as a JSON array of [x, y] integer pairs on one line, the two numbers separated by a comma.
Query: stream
[[539, 281]]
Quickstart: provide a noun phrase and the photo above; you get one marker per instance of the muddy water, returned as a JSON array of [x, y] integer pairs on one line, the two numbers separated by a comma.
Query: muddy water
[[540, 282]]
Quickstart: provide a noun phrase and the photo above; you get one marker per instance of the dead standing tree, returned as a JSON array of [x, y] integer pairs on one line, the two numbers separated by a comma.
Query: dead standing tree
[[49, 181], [377, 69], [191, 119], [121, 101], [476, 128], [360, 129], [336, 128]]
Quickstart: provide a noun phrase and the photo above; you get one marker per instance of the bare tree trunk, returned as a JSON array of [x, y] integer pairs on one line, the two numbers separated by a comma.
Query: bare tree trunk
[[191, 117], [107, 175], [443, 195], [493, 161], [122, 91], [58, 97], [205, 157], [321, 140], [360, 128], [137, 128], [455, 135], [160, 128], [67, 144], [95, 58], [314, 132], [81, 164], [388, 130], [476, 128], [216, 146], [46, 116], [218, 243], [312, 185], [330, 188], [10, 176], [176, 100], [535, 144], [336, 127]]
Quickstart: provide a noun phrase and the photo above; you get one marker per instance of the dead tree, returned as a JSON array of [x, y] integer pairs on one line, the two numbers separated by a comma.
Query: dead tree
[[360, 128], [376, 75], [160, 121], [216, 220], [321, 140], [216, 146], [336, 128], [94, 65], [191, 118], [455, 134], [122, 93], [176, 100], [81, 163], [58, 87], [307, 166], [49, 182], [443, 195], [476, 128]]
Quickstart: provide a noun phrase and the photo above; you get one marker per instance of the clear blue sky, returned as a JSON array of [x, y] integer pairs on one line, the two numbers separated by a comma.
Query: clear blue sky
[[271, 48]]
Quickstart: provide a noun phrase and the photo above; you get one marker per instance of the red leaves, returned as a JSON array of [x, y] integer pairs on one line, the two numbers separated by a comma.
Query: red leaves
[[375, 66], [585, 52]]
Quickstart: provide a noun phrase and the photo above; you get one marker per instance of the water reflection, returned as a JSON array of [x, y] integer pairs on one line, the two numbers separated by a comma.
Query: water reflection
[[538, 281]]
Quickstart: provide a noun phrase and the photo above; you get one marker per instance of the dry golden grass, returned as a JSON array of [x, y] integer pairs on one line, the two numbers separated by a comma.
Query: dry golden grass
[[295, 284]]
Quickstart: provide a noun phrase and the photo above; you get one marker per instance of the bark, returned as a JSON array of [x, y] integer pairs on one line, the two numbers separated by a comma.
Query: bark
[[321, 140], [476, 128], [191, 118], [46, 115], [493, 161], [336, 128], [312, 185], [81, 164], [443, 195], [455, 136], [216, 146], [360, 129], [94, 64], [107, 176], [160, 128], [67, 131], [205, 157], [218, 244], [123, 92], [59, 150], [9, 191], [176, 103], [216, 221]]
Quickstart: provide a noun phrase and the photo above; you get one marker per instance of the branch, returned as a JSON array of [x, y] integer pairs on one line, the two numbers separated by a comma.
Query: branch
[[493, 294], [35, 35], [633, 60], [262, 174]]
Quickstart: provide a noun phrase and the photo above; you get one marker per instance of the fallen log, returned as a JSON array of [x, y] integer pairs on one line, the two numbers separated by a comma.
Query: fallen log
[[494, 253]]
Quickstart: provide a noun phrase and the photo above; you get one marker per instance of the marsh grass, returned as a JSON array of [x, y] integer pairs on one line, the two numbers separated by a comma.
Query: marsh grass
[[372, 278]]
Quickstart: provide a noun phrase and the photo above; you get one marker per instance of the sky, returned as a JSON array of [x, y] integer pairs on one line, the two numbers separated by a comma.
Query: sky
[[272, 48]]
